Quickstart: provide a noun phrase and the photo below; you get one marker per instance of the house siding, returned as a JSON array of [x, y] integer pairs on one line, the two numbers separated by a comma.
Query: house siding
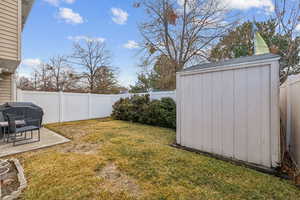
[[10, 29], [6, 88]]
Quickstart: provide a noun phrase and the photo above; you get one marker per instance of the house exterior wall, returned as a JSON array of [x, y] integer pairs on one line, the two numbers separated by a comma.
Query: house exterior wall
[[13, 14], [6, 88], [10, 48], [10, 29], [232, 112]]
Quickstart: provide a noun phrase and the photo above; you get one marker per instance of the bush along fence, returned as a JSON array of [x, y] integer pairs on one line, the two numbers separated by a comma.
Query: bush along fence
[[64, 107], [142, 110]]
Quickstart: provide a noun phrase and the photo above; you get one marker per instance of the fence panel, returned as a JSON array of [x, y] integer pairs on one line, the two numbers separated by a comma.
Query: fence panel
[[159, 95], [290, 114], [101, 105], [49, 101], [75, 107], [63, 107]]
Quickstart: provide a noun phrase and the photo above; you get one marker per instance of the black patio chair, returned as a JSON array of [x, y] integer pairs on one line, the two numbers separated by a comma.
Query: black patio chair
[[1, 117], [2, 129], [17, 135]]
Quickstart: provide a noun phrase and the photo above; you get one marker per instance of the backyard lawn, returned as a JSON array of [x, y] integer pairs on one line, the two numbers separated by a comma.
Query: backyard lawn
[[110, 159]]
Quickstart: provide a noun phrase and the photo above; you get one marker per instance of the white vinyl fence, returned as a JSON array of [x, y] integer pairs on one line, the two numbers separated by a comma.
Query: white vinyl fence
[[63, 107], [290, 114]]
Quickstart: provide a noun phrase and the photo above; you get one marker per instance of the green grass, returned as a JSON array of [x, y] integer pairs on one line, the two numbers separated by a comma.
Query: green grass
[[110, 159]]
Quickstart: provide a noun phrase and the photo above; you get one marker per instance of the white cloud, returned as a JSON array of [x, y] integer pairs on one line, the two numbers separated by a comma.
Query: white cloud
[[69, 16], [53, 2], [119, 16], [86, 38], [31, 62], [180, 2], [298, 28], [131, 44], [267, 5], [57, 2], [69, 1]]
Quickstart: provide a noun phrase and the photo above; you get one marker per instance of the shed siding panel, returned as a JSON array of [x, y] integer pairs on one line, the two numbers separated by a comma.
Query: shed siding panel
[[254, 115], [198, 86], [186, 118], [217, 113], [241, 112], [196, 116], [228, 113], [265, 117], [275, 115], [207, 110], [178, 110], [194, 139]]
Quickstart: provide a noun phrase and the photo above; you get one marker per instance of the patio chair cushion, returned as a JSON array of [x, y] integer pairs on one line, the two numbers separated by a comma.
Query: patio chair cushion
[[26, 128]]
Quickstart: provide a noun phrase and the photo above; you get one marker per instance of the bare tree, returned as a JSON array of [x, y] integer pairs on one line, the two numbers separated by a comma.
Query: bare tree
[[106, 80], [183, 31], [287, 15], [42, 78], [91, 55], [25, 83], [63, 75]]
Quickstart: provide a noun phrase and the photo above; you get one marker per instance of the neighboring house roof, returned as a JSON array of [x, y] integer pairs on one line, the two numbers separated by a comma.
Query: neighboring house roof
[[26, 7], [234, 61]]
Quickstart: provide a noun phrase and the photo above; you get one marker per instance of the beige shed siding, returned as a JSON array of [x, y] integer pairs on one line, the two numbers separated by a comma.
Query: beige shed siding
[[232, 112], [10, 29], [5, 88]]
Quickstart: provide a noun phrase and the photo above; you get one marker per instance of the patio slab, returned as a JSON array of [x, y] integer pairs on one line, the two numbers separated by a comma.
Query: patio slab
[[48, 139]]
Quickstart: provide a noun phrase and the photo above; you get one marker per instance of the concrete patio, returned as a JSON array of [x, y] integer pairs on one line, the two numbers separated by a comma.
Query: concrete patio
[[48, 138]]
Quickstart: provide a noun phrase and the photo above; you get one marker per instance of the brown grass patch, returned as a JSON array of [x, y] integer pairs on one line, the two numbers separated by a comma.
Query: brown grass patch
[[81, 148], [115, 181]]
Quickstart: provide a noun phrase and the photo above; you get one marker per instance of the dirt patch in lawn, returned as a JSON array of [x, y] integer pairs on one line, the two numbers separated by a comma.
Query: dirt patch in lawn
[[116, 181], [75, 133], [82, 148]]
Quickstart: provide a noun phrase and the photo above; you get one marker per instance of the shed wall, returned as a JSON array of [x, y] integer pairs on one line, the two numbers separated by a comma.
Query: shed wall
[[228, 112]]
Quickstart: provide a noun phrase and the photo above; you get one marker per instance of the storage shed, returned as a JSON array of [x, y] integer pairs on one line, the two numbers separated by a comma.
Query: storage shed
[[231, 109]]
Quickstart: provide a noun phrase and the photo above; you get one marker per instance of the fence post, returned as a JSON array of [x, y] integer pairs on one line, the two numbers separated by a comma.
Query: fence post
[[288, 115], [61, 106], [150, 95], [19, 96], [90, 105]]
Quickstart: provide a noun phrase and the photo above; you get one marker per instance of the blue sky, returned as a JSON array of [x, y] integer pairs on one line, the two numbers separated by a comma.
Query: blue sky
[[53, 25]]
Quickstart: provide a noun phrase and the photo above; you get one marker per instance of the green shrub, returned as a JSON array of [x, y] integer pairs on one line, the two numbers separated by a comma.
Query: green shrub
[[141, 109]]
